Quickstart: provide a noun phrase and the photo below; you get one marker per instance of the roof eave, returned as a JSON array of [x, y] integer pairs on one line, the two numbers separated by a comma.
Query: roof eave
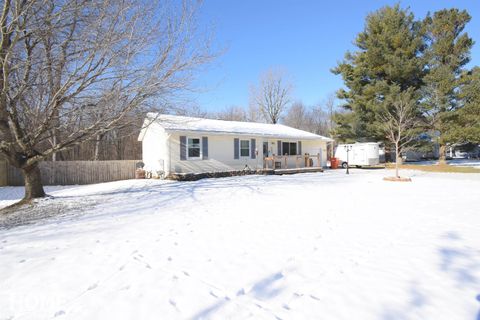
[[223, 133]]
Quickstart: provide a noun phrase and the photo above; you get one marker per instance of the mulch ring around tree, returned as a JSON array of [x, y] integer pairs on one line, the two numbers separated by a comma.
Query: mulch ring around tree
[[399, 179]]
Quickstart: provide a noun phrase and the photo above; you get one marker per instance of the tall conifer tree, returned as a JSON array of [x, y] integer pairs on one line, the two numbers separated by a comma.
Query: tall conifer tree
[[388, 55], [447, 53]]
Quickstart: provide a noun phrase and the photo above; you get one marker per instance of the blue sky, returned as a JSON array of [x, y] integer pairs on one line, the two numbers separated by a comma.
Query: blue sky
[[306, 38]]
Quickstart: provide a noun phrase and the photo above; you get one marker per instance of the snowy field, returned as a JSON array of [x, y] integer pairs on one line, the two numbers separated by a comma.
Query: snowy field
[[306, 246]]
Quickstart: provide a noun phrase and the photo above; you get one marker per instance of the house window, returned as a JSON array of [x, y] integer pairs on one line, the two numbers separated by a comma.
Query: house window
[[194, 148], [289, 148], [245, 148]]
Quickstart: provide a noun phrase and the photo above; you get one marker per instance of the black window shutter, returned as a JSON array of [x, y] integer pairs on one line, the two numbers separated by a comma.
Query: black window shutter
[[236, 148], [300, 147], [204, 148], [183, 148], [279, 147], [253, 146]]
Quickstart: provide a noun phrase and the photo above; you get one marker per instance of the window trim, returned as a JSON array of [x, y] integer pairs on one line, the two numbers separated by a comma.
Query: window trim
[[200, 146], [240, 149]]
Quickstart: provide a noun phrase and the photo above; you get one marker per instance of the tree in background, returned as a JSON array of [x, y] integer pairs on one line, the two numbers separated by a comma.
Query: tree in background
[[272, 95], [232, 113], [466, 127], [388, 55], [315, 119], [448, 51], [82, 67], [398, 120], [297, 116], [253, 113]]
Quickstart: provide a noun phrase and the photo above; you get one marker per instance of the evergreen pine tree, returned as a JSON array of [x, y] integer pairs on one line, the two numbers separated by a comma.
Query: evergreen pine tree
[[388, 55], [466, 126], [447, 53]]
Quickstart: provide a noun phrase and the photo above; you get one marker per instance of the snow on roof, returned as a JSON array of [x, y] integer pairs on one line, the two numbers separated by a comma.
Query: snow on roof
[[181, 123]]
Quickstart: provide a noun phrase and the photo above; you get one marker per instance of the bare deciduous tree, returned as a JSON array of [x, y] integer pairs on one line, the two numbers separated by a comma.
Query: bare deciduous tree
[[232, 113], [399, 119], [272, 95], [80, 67], [297, 116], [253, 113], [330, 109], [309, 118]]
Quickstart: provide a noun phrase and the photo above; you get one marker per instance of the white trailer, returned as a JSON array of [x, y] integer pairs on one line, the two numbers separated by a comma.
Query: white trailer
[[359, 154]]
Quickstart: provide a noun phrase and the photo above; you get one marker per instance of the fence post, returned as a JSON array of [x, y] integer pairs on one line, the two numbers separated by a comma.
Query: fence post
[[3, 173]]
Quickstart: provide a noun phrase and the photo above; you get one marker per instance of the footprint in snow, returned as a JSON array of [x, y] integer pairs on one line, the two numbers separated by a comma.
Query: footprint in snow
[[213, 294], [93, 286], [186, 273], [59, 313], [314, 297], [241, 292], [22, 261], [285, 306], [169, 258], [172, 302]]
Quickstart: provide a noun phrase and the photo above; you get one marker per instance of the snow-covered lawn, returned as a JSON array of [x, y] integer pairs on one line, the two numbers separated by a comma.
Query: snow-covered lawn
[[306, 246], [472, 163]]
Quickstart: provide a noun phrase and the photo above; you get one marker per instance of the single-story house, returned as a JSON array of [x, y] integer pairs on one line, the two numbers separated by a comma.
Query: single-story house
[[178, 144]]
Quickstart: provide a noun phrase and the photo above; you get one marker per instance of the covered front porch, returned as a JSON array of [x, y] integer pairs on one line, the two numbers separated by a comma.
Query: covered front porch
[[292, 155], [288, 162]]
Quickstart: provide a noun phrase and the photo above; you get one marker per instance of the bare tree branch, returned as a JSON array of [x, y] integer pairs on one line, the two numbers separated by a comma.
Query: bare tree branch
[[73, 71], [272, 95]]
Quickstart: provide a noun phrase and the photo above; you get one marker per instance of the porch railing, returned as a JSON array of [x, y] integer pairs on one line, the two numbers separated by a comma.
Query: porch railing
[[283, 162]]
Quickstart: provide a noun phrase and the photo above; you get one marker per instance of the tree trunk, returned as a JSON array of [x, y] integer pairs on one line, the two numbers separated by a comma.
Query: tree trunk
[[398, 160], [96, 155], [54, 143], [33, 182], [442, 159]]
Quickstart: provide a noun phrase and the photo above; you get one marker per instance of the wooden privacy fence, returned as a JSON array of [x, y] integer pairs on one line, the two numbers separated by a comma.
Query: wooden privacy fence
[[3, 173], [75, 172]]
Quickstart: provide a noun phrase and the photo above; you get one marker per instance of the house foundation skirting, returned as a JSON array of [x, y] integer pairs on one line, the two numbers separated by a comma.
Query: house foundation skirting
[[203, 175]]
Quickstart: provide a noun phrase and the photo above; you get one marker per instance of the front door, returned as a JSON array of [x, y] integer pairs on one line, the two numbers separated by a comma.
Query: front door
[[265, 149]]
